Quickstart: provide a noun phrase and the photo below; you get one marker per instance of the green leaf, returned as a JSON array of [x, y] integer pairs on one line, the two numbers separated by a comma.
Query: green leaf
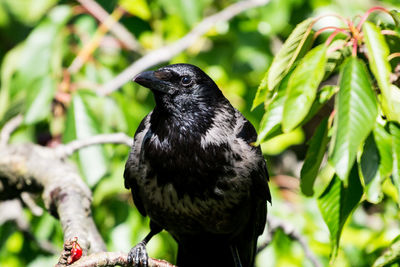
[[323, 96], [39, 47], [355, 115], [8, 68], [395, 132], [39, 100], [336, 57], [81, 125], [137, 8], [314, 156], [299, 41], [370, 160], [378, 52], [262, 91], [302, 87], [270, 125], [336, 204], [383, 142]]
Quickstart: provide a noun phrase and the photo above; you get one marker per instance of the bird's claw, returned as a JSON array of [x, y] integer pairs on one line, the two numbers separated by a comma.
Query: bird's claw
[[137, 256]]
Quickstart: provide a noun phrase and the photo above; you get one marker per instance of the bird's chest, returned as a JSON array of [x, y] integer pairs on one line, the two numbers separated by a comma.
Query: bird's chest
[[192, 189]]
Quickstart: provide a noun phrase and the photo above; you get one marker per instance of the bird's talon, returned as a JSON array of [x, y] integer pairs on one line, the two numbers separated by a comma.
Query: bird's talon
[[137, 256]]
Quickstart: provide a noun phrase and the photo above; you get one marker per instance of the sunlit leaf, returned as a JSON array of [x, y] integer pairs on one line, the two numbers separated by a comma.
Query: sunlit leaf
[[378, 52], [336, 204], [314, 156], [39, 100], [80, 125], [270, 125], [8, 69], [295, 45], [137, 8], [355, 115], [302, 87], [262, 91]]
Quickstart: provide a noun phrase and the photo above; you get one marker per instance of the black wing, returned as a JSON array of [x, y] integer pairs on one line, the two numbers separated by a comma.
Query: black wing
[[260, 177], [132, 170]]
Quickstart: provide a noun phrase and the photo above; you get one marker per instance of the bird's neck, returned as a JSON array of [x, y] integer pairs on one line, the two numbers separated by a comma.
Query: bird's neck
[[190, 124]]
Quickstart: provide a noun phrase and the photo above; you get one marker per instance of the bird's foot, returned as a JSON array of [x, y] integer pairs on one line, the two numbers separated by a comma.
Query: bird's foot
[[137, 256]]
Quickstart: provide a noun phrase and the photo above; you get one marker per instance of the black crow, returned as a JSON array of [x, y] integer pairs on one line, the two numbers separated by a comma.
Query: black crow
[[194, 170]]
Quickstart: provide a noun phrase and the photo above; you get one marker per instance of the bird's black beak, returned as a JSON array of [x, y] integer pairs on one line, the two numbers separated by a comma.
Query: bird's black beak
[[149, 80]]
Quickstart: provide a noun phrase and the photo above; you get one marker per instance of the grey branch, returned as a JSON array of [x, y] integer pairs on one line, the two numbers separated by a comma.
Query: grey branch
[[114, 259], [274, 224], [9, 128], [117, 29], [165, 53], [115, 138], [35, 169]]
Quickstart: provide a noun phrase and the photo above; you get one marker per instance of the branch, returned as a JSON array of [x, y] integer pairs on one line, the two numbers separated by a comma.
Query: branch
[[9, 128], [35, 169], [165, 53], [114, 259], [123, 35], [274, 224], [116, 138]]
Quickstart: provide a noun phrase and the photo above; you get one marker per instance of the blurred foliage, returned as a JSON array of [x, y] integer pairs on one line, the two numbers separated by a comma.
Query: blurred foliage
[[40, 40]]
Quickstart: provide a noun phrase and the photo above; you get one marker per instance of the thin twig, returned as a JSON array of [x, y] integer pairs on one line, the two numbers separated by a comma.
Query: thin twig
[[274, 224], [116, 138], [9, 128], [94, 42], [31, 204], [165, 53], [119, 31]]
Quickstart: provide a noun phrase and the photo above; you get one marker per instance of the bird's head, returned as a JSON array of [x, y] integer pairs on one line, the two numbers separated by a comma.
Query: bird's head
[[180, 87]]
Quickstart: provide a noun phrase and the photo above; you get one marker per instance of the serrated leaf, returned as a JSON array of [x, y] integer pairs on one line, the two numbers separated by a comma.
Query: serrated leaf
[[81, 125], [298, 41], [355, 115], [302, 87], [39, 100], [314, 156], [336, 204], [378, 52]]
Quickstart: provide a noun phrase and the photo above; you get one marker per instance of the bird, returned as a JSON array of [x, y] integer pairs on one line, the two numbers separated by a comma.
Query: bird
[[195, 170]]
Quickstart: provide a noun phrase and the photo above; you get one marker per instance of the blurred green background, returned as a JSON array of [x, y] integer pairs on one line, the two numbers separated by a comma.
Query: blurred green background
[[40, 39]]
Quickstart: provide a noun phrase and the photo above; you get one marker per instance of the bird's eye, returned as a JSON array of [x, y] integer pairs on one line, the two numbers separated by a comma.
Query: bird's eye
[[186, 81]]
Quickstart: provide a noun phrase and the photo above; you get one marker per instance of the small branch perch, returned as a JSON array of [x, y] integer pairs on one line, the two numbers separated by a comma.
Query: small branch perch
[[114, 259]]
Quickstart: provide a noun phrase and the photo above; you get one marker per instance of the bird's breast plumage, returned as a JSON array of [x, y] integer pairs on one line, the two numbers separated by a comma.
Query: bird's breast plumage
[[200, 181]]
